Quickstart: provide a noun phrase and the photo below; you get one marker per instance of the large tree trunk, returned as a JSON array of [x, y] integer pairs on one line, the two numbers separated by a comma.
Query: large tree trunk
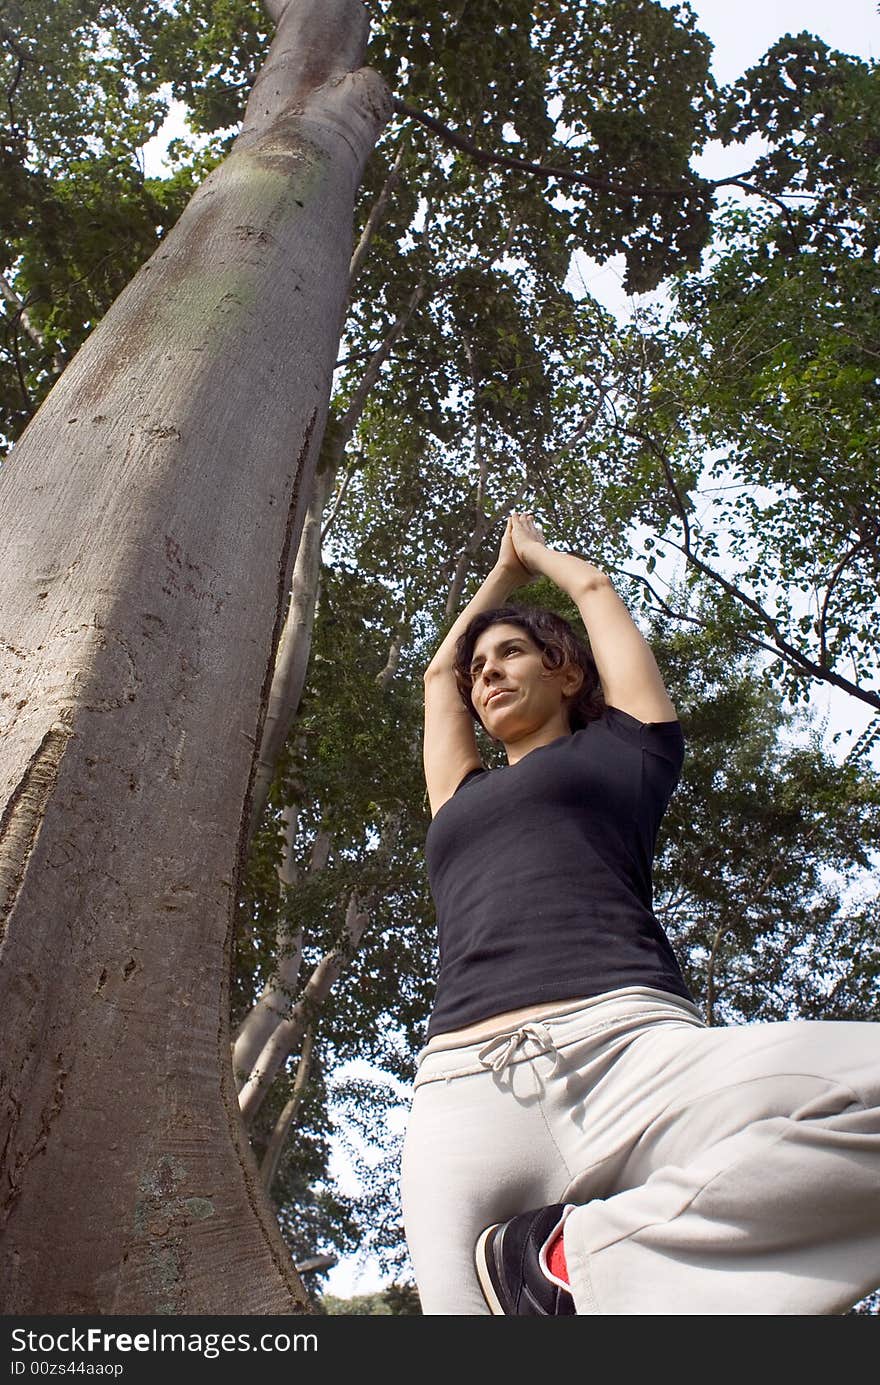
[[150, 513]]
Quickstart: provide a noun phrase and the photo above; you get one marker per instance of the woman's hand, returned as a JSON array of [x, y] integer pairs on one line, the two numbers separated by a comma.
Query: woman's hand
[[528, 542], [509, 559]]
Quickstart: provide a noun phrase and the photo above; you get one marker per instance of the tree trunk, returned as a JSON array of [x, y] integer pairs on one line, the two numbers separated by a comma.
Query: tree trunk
[[279, 995], [286, 1034], [295, 645], [284, 1123], [150, 513]]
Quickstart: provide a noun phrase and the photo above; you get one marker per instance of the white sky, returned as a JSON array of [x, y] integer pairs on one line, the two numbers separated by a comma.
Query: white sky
[[743, 30]]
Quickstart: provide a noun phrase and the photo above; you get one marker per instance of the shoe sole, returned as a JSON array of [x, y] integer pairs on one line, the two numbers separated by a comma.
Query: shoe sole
[[481, 1258]]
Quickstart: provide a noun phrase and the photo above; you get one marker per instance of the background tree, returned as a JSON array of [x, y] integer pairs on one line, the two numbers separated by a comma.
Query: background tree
[[749, 415], [766, 881]]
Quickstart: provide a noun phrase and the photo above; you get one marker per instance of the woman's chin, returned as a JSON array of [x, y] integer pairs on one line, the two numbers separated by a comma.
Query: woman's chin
[[512, 731]]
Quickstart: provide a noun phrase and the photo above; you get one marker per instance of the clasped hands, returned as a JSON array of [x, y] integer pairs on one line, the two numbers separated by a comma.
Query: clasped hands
[[521, 547]]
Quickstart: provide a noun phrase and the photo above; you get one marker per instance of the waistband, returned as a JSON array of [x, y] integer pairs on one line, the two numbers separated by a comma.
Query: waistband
[[612, 1011]]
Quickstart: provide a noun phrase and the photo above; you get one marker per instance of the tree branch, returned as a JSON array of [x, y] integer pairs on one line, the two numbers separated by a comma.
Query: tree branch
[[21, 313], [288, 1032], [401, 630], [294, 647], [484, 159], [12, 339], [756, 192], [740, 636], [339, 497], [348, 421], [377, 212], [711, 991], [782, 648], [832, 581], [801, 663], [21, 57]]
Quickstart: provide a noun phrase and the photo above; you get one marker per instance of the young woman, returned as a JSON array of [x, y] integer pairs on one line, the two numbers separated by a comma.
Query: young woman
[[580, 1141]]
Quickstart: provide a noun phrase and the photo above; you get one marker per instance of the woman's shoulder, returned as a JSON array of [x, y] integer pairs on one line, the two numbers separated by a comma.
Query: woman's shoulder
[[663, 738]]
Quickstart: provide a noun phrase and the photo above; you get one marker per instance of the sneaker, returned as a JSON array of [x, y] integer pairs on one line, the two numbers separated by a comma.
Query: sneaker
[[509, 1260]]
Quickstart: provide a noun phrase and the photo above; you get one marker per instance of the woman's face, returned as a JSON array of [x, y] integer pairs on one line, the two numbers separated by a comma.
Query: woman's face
[[514, 694]]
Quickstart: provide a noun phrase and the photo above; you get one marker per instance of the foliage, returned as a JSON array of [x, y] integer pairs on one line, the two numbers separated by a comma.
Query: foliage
[[749, 418], [764, 876], [84, 92], [397, 1300], [820, 108]]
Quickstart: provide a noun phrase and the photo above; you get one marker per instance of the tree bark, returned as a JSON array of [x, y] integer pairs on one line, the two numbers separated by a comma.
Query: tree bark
[[150, 514]]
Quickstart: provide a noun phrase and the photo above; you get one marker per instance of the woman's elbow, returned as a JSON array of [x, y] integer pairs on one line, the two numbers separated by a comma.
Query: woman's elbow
[[594, 582], [437, 668]]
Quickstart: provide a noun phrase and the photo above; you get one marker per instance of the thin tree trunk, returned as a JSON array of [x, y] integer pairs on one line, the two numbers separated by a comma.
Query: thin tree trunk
[[23, 316], [284, 1123], [385, 677], [277, 999], [286, 1035], [378, 209], [289, 674], [717, 939], [150, 513]]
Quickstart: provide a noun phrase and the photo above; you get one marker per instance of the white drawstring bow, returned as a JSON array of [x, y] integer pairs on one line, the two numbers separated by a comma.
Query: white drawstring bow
[[501, 1050]]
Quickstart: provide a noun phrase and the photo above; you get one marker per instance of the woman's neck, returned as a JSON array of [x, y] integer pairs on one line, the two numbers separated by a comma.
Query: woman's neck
[[552, 731]]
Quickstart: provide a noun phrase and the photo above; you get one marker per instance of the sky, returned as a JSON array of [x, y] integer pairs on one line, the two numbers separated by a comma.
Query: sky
[[741, 31]]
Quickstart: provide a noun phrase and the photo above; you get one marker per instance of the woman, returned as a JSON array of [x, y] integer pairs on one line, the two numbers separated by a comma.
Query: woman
[[580, 1141]]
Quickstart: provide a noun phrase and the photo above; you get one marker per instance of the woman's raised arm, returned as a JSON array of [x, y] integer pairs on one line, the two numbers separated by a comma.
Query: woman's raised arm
[[450, 745], [628, 672]]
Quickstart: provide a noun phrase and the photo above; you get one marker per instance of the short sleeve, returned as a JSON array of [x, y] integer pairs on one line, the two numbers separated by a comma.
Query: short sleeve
[[665, 739]]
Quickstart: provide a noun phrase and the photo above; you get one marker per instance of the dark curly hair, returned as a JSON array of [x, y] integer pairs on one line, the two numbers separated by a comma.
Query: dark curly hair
[[559, 645]]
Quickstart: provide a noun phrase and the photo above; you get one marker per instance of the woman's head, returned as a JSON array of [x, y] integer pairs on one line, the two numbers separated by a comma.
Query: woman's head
[[566, 659]]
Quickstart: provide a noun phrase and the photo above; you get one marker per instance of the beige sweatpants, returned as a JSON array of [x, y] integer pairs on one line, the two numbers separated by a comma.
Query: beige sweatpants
[[715, 1170]]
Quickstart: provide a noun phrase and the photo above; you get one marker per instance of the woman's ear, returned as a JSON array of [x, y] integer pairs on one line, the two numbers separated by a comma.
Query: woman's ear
[[572, 680]]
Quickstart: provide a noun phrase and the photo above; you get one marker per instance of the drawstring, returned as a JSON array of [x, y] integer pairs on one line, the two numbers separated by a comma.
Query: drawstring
[[498, 1052]]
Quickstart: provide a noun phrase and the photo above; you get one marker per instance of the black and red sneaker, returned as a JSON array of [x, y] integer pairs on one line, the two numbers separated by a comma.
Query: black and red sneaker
[[509, 1266]]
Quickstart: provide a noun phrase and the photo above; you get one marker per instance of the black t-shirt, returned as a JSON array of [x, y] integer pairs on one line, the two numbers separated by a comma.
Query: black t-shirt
[[541, 873]]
